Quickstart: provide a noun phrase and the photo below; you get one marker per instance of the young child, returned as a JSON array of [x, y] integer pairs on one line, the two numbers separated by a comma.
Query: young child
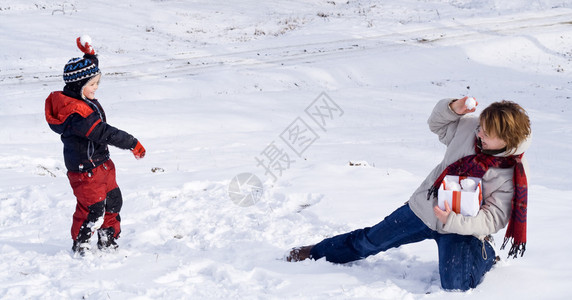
[[79, 119]]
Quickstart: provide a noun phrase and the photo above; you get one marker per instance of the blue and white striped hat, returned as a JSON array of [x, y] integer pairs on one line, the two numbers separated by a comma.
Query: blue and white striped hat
[[78, 69]]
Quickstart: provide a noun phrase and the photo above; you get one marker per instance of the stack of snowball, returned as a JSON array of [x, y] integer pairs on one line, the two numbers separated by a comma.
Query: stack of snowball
[[467, 185], [462, 193]]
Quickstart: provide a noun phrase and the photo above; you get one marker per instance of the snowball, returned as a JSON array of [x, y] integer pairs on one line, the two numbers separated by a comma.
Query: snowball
[[470, 103], [468, 184], [85, 39], [452, 186]]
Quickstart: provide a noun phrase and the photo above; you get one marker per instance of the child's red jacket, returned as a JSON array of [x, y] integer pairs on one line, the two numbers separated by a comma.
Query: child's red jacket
[[84, 131]]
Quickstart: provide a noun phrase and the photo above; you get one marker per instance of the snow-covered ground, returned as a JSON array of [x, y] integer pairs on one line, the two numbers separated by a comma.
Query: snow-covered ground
[[209, 87]]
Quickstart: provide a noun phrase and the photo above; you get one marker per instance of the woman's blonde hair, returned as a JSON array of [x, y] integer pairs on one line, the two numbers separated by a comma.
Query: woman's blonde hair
[[507, 121]]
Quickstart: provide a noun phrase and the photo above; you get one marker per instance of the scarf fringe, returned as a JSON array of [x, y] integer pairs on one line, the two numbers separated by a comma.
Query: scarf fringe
[[432, 192], [515, 249]]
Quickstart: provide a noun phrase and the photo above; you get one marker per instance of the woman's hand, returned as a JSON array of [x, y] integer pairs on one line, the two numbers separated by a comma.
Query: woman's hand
[[442, 215], [460, 107]]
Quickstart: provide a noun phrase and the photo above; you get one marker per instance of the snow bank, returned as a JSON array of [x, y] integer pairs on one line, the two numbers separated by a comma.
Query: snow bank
[[208, 86]]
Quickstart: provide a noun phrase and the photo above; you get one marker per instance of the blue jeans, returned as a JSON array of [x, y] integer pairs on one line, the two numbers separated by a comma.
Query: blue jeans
[[463, 259]]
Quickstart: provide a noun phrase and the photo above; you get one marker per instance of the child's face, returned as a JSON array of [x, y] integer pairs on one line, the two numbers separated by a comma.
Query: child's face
[[90, 87], [488, 141]]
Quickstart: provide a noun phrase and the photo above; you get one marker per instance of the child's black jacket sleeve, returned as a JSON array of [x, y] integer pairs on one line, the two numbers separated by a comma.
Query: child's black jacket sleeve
[[98, 131]]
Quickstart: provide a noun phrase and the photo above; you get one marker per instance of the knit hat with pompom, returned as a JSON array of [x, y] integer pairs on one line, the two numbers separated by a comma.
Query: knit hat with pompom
[[79, 70]]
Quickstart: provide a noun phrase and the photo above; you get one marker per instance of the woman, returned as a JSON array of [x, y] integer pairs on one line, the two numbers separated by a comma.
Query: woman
[[493, 154]]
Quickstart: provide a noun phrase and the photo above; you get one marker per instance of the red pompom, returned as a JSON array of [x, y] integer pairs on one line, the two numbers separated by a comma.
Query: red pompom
[[84, 44]]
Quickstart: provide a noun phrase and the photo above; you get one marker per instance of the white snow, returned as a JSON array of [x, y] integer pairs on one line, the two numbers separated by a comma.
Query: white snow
[[209, 86]]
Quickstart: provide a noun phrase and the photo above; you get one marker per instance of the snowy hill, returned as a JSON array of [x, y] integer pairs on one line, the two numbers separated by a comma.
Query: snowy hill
[[209, 87]]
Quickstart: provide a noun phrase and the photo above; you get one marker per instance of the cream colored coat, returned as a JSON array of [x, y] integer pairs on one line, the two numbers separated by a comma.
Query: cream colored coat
[[458, 134]]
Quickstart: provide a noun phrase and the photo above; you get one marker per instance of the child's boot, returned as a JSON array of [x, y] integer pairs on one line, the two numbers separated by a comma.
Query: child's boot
[[81, 248], [106, 239], [81, 244]]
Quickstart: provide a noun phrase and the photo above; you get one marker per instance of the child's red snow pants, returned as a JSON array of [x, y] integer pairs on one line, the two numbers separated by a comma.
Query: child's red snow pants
[[98, 196]]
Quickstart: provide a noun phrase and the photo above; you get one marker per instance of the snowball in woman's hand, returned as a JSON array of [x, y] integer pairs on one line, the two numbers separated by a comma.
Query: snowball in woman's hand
[[470, 103], [468, 184], [452, 186]]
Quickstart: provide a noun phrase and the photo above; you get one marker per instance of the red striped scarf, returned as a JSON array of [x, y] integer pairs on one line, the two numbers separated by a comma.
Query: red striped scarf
[[476, 166]]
